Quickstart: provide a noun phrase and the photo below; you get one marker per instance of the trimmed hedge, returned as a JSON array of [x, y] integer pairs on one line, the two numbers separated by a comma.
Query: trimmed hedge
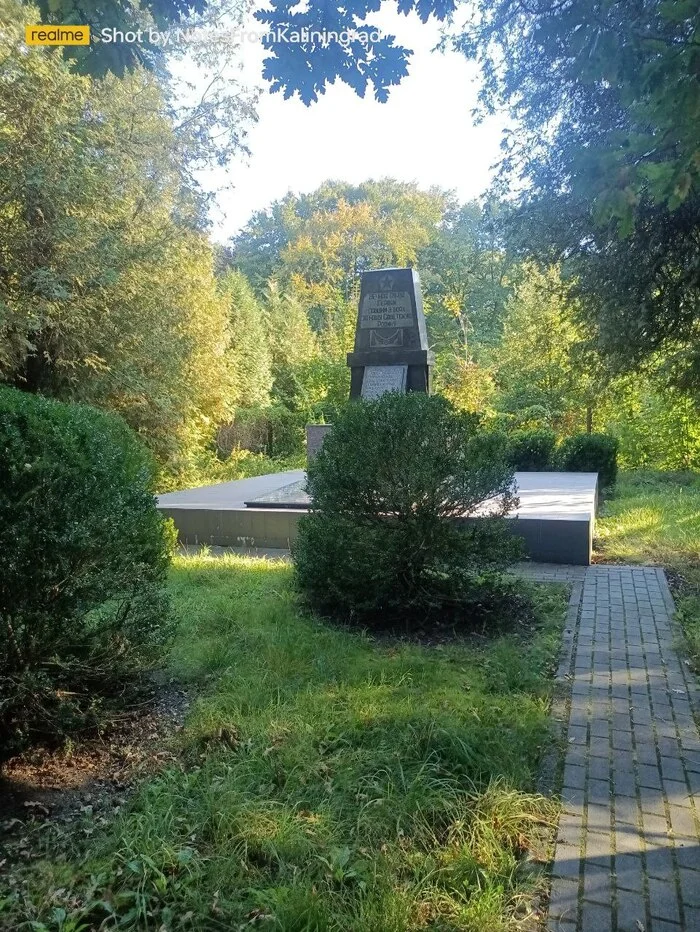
[[590, 453], [532, 450], [83, 561]]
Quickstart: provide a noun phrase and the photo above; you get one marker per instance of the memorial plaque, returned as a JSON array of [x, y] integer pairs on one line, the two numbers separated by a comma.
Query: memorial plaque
[[378, 380]]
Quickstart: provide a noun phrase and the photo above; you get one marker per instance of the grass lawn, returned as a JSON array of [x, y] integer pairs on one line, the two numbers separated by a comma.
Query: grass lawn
[[654, 517], [326, 781]]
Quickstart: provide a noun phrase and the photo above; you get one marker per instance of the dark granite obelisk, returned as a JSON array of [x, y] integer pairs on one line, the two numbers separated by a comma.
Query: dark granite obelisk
[[391, 344]]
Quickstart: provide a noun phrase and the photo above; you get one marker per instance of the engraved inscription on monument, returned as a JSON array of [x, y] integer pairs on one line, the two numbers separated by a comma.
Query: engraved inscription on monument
[[386, 310], [378, 380]]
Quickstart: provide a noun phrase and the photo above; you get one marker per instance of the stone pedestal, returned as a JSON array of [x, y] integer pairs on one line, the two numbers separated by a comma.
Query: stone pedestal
[[315, 435]]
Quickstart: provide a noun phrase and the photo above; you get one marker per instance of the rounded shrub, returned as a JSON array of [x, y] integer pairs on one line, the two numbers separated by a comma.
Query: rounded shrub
[[385, 542], [591, 453], [532, 450], [83, 562]]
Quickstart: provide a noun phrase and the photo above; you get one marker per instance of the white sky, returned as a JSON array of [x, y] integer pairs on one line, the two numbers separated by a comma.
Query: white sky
[[424, 133]]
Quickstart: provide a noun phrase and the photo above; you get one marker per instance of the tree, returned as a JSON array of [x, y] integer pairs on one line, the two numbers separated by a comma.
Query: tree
[[309, 49], [250, 354], [99, 58], [317, 245], [604, 99], [462, 273], [359, 55], [537, 366], [602, 74], [107, 290]]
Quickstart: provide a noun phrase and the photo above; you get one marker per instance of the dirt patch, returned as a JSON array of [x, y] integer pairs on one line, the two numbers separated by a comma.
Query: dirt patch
[[57, 788]]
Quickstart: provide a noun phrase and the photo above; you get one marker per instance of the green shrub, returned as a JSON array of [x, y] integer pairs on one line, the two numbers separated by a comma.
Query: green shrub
[[380, 545], [83, 561], [532, 450], [590, 453]]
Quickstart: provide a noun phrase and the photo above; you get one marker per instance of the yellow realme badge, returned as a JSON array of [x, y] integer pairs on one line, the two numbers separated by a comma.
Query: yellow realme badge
[[57, 35]]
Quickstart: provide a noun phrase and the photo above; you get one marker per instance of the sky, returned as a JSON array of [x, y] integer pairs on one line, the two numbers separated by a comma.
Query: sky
[[424, 133]]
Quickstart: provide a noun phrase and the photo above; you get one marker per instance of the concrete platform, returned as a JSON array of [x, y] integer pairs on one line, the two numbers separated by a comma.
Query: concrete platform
[[556, 517]]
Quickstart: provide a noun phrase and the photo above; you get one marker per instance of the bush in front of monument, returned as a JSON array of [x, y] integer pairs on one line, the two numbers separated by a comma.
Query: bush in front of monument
[[383, 544]]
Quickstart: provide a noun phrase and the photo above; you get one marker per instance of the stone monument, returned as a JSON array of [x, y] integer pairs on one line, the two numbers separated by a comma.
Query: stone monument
[[391, 344]]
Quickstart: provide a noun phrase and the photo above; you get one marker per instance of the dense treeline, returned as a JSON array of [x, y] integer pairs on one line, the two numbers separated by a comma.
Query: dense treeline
[[511, 335], [111, 291]]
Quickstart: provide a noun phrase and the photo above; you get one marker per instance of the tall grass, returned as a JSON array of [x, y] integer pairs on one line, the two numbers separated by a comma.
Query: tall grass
[[327, 781]]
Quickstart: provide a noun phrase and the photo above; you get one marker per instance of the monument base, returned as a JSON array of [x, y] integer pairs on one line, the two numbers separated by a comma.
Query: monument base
[[556, 517]]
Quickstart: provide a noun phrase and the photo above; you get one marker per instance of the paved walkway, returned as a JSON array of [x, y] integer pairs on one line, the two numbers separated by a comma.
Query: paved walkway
[[628, 847]]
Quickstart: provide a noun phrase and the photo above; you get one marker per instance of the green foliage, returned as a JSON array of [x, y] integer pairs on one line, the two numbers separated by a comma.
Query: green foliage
[[98, 58], [657, 427], [605, 105], [108, 293], [463, 273], [381, 544], [83, 557], [609, 170], [590, 453], [653, 517], [249, 350], [326, 781], [532, 450], [536, 363]]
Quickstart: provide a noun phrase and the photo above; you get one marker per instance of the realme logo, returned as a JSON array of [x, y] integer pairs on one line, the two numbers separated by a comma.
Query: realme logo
[[57, 35]]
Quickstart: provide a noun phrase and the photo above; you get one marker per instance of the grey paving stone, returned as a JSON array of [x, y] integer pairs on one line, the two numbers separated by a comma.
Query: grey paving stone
[[663, 899], [648, 776], [688, 855], [682, 822], [599, 768], [672, 769], [627, 809], [690, 887], [645, 751], [597, 884], [573, 801], [631, 911], [622, 740], [677, 793], [574, 775], [561, 925], [663, 925], [624, 782], [567, 862], [563, 901], [655, 823], [600, 747], [652, 800], [659, 863], [628, 839], [596, 917], [598, 848], [570, 831]]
